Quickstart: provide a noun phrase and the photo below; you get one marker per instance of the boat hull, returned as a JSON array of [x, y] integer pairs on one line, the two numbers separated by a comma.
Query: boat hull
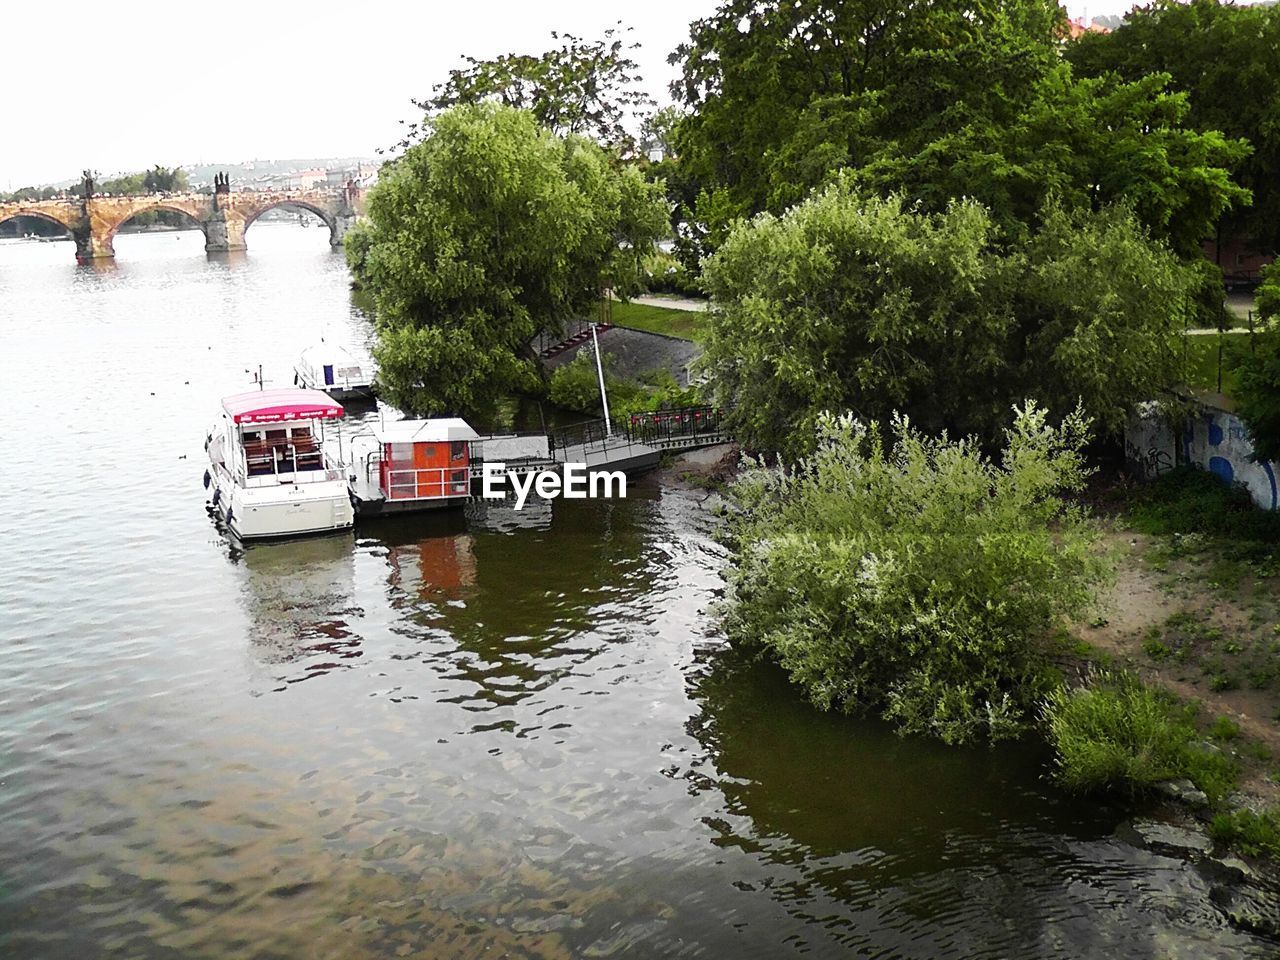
[[390, 508], [284, 510]]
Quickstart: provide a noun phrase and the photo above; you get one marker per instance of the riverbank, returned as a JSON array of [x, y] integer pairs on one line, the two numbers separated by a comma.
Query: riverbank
[[1196, 619]]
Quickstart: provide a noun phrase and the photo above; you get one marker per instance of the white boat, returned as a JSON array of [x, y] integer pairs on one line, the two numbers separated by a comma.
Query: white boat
[[336, 371], [268, 469]]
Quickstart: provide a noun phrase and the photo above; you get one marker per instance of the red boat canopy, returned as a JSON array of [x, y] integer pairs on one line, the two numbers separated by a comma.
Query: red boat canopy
[[276, 406]]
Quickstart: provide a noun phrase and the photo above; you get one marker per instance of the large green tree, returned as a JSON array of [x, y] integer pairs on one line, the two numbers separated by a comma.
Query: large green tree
[[586, 87], [752, 71], [935, 102], [854, 302], [488, 232], [1226, 58]]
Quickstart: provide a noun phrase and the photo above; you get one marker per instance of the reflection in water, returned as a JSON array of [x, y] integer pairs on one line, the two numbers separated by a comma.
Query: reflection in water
[[502, 516], [521, 734], [971, 857], [299, 598]]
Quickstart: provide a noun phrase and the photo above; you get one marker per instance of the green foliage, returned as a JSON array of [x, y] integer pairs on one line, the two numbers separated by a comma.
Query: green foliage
[[854, 302], [1116, 733], [576, 385], [488, 232], [783, 93], [657, 390], [1257, 388], [1224, 728], [1257, 396], [584, 87], [1190, 501], [935, 102], [1088, 142], [1226, 58], [1253, 834], [1268, 294], [666, 274], [913, 577]]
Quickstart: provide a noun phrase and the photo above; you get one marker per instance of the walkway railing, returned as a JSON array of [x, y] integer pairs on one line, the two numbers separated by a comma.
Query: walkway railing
[[663, 429]]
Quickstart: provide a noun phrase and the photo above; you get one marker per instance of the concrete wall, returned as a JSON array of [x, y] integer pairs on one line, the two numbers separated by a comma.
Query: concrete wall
[[1213, 439]]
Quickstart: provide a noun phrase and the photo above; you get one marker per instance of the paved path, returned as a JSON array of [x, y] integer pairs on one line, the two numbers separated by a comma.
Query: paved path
[[673, 303]]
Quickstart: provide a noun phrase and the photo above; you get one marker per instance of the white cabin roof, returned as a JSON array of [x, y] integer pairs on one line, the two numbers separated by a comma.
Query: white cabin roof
[[426, 431]]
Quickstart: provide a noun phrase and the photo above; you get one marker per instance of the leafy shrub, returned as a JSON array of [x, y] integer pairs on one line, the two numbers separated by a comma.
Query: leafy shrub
[[1224, 728], [1253, 834], [576, 385], [1116, 733], [1190, 501], [915, 578], [657, 390], [1257, 396], [663, 273], [850, 301]]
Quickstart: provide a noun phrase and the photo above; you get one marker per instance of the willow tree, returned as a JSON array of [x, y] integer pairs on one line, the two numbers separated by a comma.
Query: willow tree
[[489, 232], [853, 302]]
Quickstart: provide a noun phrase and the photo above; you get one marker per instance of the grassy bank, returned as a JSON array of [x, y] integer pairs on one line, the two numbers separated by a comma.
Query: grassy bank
[[1183, 660], [685, 324]]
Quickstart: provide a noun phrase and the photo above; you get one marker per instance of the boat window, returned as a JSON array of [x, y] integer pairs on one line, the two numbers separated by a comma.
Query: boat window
[[252, 436], [275, 435], [457, 450], [301, 432]]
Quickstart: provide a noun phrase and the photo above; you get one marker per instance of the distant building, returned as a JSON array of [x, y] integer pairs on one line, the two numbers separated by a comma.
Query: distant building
[[1240, 261], [1079, 26], [363, 174]]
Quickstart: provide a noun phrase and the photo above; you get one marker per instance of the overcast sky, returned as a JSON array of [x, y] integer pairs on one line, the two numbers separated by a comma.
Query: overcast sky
[[121, 86]]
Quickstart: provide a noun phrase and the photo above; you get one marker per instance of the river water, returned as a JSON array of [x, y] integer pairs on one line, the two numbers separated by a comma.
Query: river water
[[479, 735]]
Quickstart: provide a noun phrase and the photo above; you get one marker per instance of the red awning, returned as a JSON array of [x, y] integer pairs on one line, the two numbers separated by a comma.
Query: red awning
[[277, 406]]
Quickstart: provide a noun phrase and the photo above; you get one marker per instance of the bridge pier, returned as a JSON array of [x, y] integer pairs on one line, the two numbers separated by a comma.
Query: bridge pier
[[224, 232], [92, 245], [342, 225]]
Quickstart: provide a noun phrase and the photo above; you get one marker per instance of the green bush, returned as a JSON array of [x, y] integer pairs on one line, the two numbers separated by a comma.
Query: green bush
[[663, 273], [1224, 728], [916, 579], [1116, 733], [1257, 396], [1192, 501], [1253, 834], [657, 390], [576, 385]]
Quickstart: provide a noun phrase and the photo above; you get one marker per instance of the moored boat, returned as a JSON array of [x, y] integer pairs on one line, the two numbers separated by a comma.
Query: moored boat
[[336, 371], [269, 473]]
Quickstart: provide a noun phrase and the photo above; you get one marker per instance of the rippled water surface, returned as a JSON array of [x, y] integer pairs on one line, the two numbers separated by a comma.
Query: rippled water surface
[[476, 735]]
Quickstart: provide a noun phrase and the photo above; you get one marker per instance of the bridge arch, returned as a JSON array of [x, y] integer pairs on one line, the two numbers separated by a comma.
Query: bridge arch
[[330, 220], [195, 217], [10, 212]]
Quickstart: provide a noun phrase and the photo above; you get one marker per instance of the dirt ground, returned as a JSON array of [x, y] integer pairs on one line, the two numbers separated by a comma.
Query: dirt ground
[[1206, 628]]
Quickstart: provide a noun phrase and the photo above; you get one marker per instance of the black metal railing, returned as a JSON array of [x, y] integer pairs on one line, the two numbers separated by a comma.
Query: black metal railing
[[656, 428]]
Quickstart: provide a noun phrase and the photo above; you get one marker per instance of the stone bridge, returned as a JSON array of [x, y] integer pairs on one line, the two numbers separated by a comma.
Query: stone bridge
[[93, 219]]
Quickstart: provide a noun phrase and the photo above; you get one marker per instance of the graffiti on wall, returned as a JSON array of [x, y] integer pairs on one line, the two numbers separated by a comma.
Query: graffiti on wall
[[1213, 439]]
